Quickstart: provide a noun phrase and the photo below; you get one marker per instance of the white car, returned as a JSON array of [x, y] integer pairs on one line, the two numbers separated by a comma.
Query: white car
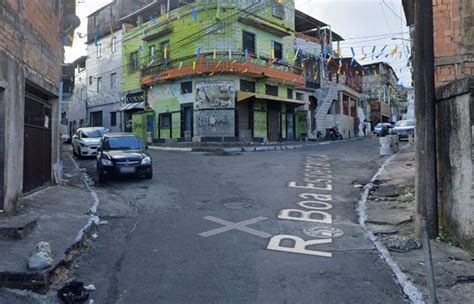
[[86, 141]]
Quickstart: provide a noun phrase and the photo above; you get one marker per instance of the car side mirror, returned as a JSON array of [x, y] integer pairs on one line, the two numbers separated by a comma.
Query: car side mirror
[[146, 147], [99, 149]]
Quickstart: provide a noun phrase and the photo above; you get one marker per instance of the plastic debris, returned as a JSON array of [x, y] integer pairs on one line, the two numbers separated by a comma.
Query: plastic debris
[[90, 287], [41, 258], [103, 223], [73, 292]]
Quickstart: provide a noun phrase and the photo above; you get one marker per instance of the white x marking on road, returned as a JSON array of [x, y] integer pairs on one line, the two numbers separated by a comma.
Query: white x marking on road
[[228, 226]]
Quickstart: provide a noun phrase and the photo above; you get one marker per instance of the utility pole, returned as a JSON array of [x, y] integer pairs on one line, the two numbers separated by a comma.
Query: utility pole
[[426, 187], [426, 173]]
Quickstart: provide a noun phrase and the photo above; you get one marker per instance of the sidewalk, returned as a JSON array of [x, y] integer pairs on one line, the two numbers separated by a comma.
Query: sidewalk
[[390, 216], [59, 215]]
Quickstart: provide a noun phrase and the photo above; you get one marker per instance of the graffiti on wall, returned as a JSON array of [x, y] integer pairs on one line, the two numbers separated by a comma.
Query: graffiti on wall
[[212, 95]]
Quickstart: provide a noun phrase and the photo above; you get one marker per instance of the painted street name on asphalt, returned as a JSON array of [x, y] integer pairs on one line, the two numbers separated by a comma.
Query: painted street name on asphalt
[[315, 206]]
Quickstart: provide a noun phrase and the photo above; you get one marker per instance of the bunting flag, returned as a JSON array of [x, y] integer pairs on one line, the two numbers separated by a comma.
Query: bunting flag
[[194, 65], [180, 65], [214, 54], [211, 74], [273, 54], [219, 63], [375, 72], [339, 52], [394, 52], [339, 70], [340, 62], [165, 53], [152, 19], [244, 71], [329, 58], [353, 52], [230, 54], [246, 55], [195, 14], [198, 54], [350, 74], [296, 54]]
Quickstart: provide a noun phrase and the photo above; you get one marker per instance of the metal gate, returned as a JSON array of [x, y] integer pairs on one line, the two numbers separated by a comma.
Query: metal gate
[[37, 144]]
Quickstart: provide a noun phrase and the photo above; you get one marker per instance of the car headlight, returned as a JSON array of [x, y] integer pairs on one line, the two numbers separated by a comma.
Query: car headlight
[[82, 144], [107, 162], [146, 161]]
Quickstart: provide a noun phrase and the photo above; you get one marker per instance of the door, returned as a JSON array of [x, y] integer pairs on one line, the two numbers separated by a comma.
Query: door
[[187, 123], [274, 122], [97, 119], [290, 126], [37, 144]]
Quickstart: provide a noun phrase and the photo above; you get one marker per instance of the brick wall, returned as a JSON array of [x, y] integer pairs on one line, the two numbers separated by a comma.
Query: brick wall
[[453, 39], [38, 44]]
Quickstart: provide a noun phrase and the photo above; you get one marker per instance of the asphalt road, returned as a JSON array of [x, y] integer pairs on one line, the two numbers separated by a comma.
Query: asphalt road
[[162, 243]]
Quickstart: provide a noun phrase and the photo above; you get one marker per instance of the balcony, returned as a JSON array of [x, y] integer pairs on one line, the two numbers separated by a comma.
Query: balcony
[[354, 83], [220, 63]]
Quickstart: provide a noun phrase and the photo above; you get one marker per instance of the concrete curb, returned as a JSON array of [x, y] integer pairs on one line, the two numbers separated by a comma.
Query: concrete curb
[[409, 289], [248, 148], [171, 149]]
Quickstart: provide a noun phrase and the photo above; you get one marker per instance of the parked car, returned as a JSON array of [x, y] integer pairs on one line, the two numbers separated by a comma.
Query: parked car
[[123, 154], [86, 141], [404, 128], [383, 128]]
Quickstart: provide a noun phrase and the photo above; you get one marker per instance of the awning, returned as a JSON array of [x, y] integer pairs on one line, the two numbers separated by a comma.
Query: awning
[[241, 96], [132, 106]]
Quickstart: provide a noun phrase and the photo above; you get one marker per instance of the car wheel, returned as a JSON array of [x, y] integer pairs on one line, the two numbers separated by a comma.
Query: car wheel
[[149, 175], [102, 177]]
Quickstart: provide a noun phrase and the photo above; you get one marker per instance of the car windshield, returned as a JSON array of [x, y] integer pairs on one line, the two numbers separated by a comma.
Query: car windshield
[[122, 143], [98, 133], [379, 125], [405, 123]]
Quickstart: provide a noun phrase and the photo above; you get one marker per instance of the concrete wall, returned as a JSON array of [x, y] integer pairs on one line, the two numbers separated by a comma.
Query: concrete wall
[[31, 51], [454, 146]]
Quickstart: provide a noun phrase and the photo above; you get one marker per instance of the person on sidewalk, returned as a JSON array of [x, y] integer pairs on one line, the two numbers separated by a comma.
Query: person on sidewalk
[[364, 128]]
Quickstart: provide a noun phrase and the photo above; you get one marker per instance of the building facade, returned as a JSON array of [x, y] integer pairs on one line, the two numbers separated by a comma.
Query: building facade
[[220, 71], [380, 87], [31, 52]]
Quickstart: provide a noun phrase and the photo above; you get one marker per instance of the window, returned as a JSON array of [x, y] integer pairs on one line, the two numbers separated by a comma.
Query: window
[[186, 87], [91, 80], [151, 53], [299, 96], [165, 49], [290, 94], [133, 61], [278, 9], [96, 20], [99, 50], [113, 44], [271, 90], [248, 42], [165, 120], [113, 80], [278, 50], [99, 84], [247, 86], [113, 119]]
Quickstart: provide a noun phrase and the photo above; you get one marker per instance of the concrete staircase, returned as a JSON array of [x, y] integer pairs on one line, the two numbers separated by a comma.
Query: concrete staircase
[[325, 96]]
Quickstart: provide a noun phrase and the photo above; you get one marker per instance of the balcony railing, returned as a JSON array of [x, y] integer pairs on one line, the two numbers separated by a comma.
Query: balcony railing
[[222, 62]]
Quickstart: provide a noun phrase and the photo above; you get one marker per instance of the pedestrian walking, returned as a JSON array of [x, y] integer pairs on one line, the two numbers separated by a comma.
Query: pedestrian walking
[[364, 128]]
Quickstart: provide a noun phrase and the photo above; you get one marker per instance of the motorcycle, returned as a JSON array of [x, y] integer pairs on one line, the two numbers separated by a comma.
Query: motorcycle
[[334, 133]]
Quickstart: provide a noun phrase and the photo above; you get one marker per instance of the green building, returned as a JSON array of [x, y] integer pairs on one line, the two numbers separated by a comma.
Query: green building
[[216, 70]]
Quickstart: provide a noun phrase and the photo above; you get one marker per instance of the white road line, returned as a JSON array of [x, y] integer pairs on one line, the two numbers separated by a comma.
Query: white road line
[[228, 226]]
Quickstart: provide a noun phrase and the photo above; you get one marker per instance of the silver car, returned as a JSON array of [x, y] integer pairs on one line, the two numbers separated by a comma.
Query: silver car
[[404, 129], [86, 141]]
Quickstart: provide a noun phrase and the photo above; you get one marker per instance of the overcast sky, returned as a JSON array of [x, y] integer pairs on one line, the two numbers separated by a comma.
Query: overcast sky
[[362, 23]]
